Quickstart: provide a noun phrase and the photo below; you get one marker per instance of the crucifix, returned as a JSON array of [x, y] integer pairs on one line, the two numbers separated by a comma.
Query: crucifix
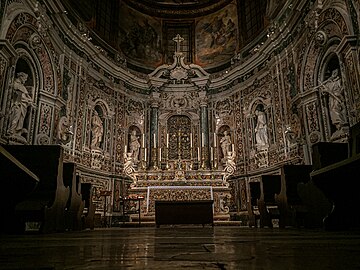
[[178, 39]]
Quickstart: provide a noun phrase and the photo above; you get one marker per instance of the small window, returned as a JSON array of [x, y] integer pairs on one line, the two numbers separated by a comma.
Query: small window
[[185, 30]]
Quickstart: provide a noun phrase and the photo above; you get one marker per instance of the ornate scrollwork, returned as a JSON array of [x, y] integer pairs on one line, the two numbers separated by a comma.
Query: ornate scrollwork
[[230, 166], [129, 166]]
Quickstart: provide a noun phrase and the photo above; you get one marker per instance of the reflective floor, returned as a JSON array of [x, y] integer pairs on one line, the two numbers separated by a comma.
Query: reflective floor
[[183, 247]]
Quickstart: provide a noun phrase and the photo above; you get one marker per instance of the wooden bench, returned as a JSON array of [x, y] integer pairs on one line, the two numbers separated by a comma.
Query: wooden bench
[[252, 206], [184, 212], [279, 197], [326, 153], [268, 209], [339, 183], [17, 182], [292, 210], [75, 204], [47, 203], [88, 215]]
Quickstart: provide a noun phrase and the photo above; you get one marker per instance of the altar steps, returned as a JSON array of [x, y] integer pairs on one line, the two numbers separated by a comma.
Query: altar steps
[[131, 224]]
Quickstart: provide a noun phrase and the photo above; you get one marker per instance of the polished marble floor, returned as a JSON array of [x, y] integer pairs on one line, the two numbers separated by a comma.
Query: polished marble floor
[[183, 247]]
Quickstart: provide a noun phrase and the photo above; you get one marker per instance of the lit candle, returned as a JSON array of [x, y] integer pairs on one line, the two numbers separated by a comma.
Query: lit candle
[[191, 142], [167, 140], [143, 140], [215, 140], [198, 153]]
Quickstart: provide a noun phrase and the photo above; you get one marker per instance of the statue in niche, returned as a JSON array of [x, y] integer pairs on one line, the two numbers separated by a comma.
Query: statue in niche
[[337, 108], [97, 130], [225, 143], [261, 135], [134, 146], [21, 101]]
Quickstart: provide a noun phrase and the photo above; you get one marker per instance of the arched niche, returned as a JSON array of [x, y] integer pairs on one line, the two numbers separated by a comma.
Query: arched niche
[[22, 102]]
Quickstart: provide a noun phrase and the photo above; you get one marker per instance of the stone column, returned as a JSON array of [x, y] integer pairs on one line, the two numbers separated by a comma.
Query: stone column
[[154, 123], [204, 131]]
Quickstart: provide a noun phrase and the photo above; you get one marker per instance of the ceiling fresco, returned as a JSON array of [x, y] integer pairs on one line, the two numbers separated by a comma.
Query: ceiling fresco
[[216, 37], [140, 37]]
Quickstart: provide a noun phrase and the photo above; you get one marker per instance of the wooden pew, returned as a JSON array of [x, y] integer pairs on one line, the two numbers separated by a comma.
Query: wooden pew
[[326, 153], [292, 210], [252, 206], [46, 204], [88, 215], [339, 183], [75, 204], [17, 182], [269, 186], [184, 212]]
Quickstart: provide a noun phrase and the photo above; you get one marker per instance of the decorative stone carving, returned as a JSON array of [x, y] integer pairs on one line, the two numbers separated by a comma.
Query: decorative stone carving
[[224, 202], [97, 158], [64, 130], [43, 139], [262, 158], [230, 166], [321, 38], [35, 41], [129, 167]]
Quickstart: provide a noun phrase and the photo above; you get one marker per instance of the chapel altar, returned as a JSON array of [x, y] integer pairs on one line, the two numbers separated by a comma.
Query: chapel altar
[[183, 152]]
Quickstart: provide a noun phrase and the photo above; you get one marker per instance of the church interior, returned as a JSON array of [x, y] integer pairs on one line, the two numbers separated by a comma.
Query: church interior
[[208, 134]]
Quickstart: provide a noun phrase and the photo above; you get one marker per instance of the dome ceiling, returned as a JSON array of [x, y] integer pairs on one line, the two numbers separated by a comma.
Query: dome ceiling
[[143, 31], [177, 8]]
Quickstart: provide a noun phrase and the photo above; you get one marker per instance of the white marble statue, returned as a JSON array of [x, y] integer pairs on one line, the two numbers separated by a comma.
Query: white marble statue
[[337, 108], [21, 101], [261, 135], [134, 146], [97, 130], [225, 143]]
